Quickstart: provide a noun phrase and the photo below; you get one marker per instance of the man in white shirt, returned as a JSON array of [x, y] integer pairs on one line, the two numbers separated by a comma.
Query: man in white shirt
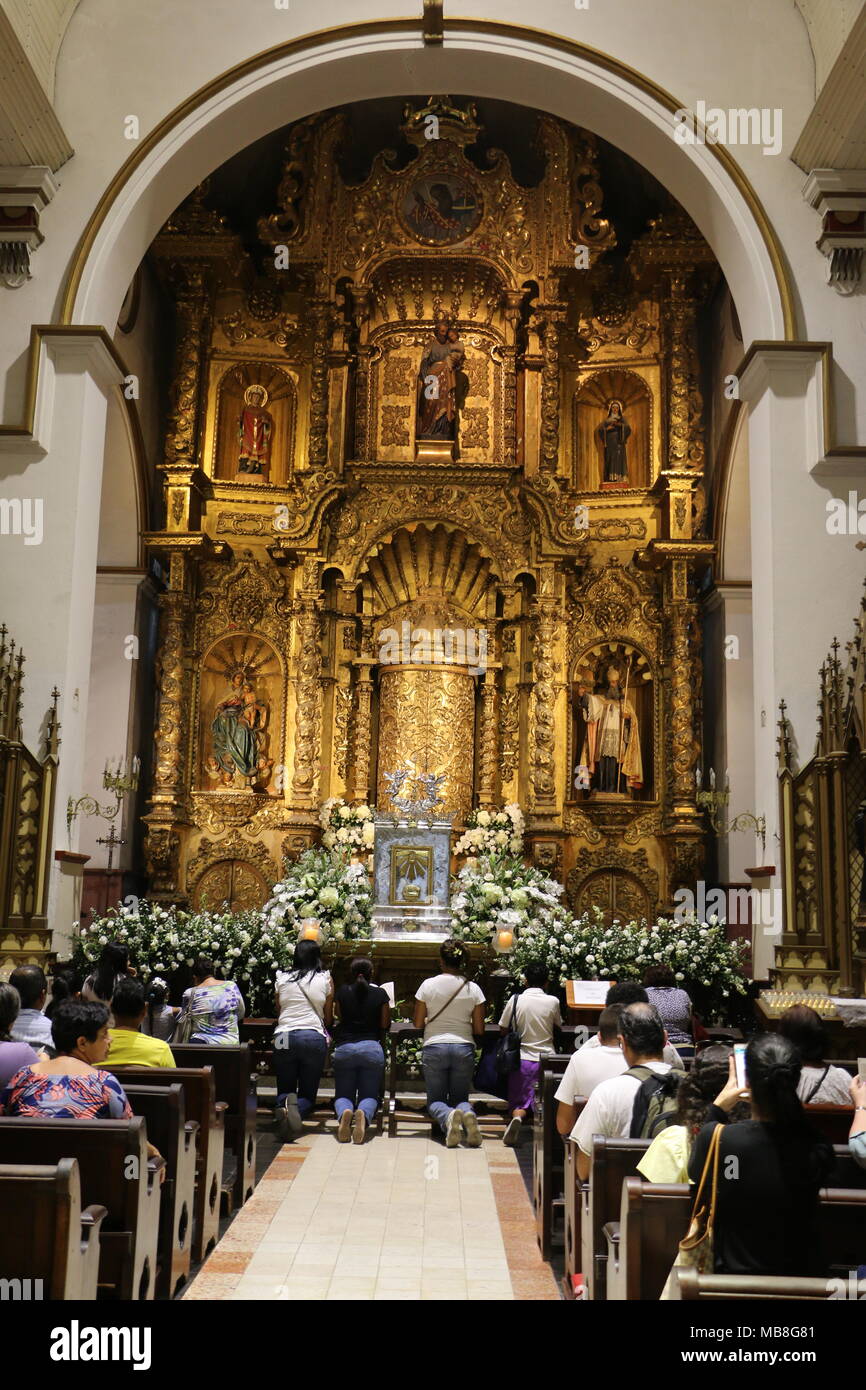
[[588, 1067], [535, 1015], [31, 1026], [609, 1109]]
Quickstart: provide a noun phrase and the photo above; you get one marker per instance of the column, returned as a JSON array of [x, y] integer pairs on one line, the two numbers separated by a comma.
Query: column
[[52, 482]]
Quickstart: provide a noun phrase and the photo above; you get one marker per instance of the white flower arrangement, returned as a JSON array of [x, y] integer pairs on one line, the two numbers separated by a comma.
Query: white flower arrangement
[[324, 885], [499, 891], [350, 827], [708, 966], [488, 831]]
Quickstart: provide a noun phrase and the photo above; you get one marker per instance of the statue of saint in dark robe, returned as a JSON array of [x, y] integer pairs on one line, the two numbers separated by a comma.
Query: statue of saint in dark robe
[[613, 434]]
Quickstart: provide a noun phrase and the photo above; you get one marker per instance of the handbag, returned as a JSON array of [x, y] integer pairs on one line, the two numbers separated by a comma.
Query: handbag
[[183, 1028], [696, 1247], [508, 1049]]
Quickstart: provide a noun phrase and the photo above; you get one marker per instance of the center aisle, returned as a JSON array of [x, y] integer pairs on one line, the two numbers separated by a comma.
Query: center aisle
[[391, 1219]]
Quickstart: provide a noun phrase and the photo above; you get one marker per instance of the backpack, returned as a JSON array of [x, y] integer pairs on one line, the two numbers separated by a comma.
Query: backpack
[[655, 1105]]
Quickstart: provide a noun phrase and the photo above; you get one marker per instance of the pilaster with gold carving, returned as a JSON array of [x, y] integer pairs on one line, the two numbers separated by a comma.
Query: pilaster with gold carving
[[488, 762], [308, 690], [321, 316], [174, 676], [545, 625], [362, 723], [191, 300], [553, 318], [685, 403]]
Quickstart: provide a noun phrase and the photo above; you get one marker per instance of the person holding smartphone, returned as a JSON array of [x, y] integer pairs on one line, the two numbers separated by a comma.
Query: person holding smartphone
[[857, 1137], [771, 1169]]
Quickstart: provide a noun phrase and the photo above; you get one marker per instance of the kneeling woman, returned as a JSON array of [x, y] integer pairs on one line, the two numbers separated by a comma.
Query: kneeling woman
[[364, 1014], [305, 1001], [450, 1009]]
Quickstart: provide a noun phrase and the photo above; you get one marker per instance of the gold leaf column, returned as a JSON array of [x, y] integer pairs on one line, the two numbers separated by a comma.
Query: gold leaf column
[[168, 803], [362, 721], [308, 705], [488, 760], [545, 624], [553, 318], [685, 413], [318, 452]]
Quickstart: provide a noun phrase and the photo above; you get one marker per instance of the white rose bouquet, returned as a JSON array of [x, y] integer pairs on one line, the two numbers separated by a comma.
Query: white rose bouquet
[[488, 831], [498, 891], [346, 827]]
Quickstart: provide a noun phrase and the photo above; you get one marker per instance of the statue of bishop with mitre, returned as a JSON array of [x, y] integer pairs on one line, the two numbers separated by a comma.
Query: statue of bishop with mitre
[[610, 757]]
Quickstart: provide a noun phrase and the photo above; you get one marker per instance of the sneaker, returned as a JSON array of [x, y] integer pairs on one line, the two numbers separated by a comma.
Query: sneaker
[[359, 1127], [281, 1125], [512, 1132], [344, 1128], [293, 1116], [471, 1130], [454, 1129]]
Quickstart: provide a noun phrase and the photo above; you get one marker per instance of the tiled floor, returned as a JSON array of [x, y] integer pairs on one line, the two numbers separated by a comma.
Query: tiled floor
[[394, 1219]]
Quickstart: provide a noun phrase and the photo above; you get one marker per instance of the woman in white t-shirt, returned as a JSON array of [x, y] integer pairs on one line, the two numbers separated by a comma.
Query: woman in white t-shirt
[[450, 1009], [305, 1002], [535, 1015]]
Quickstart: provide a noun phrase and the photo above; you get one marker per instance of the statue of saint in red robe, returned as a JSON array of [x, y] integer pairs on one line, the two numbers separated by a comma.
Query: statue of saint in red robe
[[254, 433]]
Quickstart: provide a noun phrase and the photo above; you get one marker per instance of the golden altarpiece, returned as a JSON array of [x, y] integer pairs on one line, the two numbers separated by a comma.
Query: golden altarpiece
[[430, 404], [822, 818]]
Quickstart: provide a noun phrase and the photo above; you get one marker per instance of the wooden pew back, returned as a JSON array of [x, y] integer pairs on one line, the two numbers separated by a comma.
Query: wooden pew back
[[548, 1160], [46, 1236], [113, 1164], [201, 1105], [613, 1160], [833, 1122], [236, 1085], [701, 1287], [163, 1108]]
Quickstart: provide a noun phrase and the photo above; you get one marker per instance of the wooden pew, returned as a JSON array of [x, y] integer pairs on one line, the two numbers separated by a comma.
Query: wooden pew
[[202, 1106], [833, 1122], [548, 1159], [694, 1286], [236, 1086], [843, 1229], [654, 1217], [117, 1174], [46, 1235], [163, 1108], [613, 1160]]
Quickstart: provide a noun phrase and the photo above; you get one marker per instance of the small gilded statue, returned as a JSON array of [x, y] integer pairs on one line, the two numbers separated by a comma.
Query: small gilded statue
[[613, 433], [610, 759], [255, 432], [437, 383]]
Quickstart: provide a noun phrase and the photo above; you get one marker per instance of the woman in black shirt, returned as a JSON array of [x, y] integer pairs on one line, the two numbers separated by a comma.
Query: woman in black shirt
[[771, 1169], [359, 1059]]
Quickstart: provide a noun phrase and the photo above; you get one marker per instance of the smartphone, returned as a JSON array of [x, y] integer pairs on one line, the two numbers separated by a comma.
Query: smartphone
[[740, 1064], [861, 1069]]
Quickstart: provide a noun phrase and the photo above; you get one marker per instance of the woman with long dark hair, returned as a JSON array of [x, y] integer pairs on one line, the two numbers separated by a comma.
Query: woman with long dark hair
[[65, 984], [771, 1169], [305, 1004], [450, 1009], [112, 966], [705, 1086], [364, 1013]]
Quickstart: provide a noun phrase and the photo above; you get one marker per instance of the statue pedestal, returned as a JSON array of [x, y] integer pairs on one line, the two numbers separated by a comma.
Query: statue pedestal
[[411, 880]]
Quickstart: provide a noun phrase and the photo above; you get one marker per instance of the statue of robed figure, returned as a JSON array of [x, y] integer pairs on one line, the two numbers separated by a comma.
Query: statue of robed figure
[[438, 384], [613, 433], [611, 755], [255, 428], [238, 735]]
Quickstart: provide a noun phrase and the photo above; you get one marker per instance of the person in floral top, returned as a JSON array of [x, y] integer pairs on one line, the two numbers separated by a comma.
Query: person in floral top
[[212, 1009], [71, 1086]]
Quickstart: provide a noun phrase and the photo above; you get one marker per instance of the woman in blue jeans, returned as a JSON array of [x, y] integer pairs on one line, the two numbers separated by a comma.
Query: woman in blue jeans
[[450, 1009], [364, 1013], [305, 1002]]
